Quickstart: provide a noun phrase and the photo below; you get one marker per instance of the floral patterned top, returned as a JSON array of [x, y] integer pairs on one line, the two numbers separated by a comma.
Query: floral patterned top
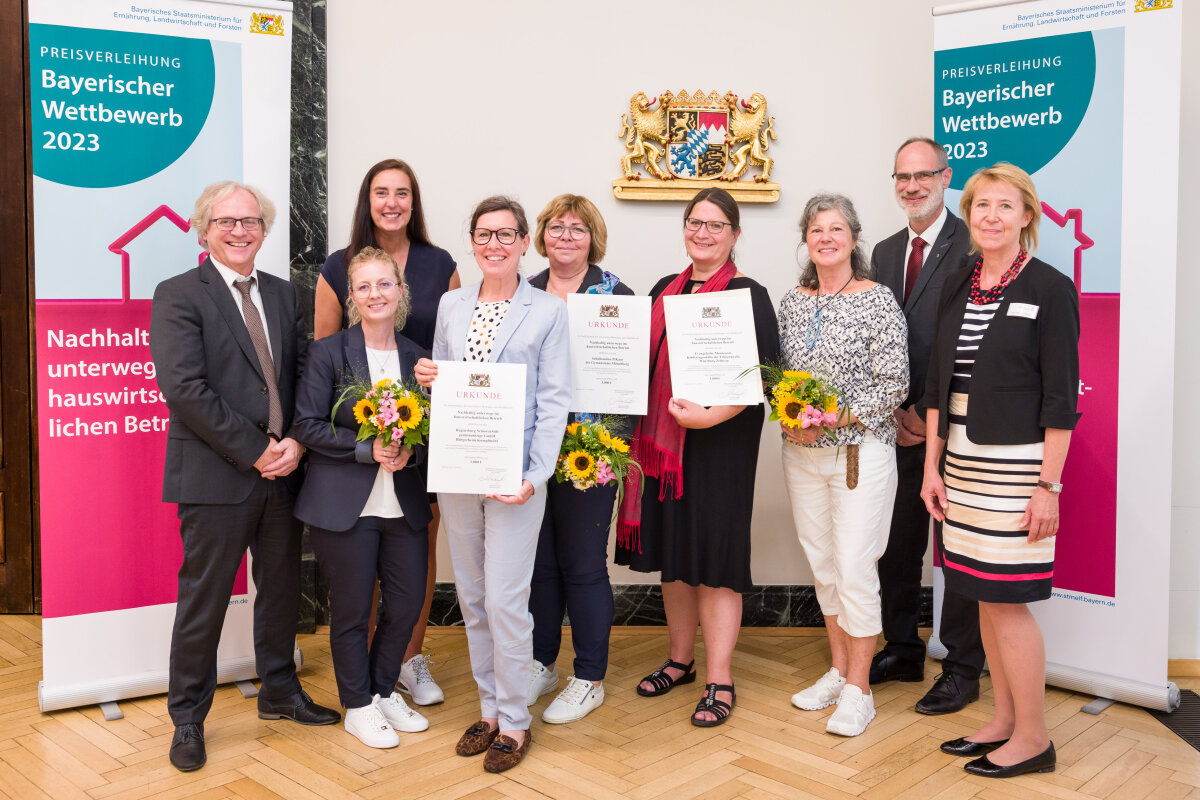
[[484, 325], [861, 349]]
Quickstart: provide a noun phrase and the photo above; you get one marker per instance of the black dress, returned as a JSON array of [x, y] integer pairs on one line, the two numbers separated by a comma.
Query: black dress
[[427, 272], [703, 538]]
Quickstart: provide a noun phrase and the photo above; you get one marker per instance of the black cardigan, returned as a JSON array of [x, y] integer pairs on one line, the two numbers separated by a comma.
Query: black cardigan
[[1026, 373]]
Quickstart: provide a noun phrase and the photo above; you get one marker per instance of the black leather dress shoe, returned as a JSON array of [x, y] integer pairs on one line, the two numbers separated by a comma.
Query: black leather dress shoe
[[950, 693], [1042, 762], [187, 748], [962, 747], [298, 708], [887, 666]]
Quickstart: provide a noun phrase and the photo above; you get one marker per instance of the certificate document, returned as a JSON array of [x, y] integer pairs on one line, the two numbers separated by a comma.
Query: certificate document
[[712, 342], [610, 352], [477, 428]]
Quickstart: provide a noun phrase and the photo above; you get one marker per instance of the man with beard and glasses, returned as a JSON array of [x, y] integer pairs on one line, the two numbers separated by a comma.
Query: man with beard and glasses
[[914, 263]]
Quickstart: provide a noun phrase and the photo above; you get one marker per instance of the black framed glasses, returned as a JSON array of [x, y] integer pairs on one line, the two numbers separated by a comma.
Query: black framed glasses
[[924, 176], [713, 226], [482, 236], [556, 230], [229, 223]]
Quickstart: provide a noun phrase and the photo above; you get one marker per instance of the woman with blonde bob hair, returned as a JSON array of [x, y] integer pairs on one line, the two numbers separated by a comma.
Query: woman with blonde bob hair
[[1001, 396]]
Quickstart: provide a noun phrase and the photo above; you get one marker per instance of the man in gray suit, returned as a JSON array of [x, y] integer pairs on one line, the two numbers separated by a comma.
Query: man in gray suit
[[914, 263], [228, 343]]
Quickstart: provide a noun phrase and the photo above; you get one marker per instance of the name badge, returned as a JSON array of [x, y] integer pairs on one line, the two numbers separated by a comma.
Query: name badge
[[1026, 310]]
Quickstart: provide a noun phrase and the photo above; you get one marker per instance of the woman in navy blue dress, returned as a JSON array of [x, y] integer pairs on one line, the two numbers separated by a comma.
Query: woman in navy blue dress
[[389, 215]]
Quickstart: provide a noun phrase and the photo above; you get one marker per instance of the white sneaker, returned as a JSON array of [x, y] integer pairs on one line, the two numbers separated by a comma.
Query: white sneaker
[[399, 715], [416, 680], [821, 694], [541, 681], [368, 725], [575, 702], [854, 711]]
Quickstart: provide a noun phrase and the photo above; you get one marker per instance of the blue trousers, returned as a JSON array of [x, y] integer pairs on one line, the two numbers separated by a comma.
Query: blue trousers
[[399, 555], [570, 572]]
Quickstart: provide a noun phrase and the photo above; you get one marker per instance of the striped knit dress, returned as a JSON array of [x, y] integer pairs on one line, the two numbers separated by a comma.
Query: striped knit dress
[[985, 553]]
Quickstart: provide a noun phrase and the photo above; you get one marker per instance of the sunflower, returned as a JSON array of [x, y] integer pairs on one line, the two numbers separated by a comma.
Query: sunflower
[[580, 464], [831, 405], [790, 411], [363, 411], [618, 444], [409, 413], [573, 429], [797, 375]]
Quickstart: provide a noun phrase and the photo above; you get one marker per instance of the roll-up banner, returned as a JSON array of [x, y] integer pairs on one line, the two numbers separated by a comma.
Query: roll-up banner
[[136, 107], [1085, 97]]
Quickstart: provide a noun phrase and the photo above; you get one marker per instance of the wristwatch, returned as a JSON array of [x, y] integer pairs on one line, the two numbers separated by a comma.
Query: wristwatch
[[1050, 486]]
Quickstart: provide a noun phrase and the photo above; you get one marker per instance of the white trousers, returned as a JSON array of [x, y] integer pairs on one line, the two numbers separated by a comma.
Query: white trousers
[[843, 531], [492, 547]]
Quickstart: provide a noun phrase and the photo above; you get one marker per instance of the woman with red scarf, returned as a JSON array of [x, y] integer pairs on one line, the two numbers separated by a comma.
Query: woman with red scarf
[[692, 518]]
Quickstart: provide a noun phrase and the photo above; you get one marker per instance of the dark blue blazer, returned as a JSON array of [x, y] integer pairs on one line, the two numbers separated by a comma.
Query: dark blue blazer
[[341, 472]]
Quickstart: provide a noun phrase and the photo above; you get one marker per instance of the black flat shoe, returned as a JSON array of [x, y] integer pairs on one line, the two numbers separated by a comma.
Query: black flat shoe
[[886, 667], [1042, 762], [298, 708], [663, 683], [187, 747], [962, 747], [950, 693]]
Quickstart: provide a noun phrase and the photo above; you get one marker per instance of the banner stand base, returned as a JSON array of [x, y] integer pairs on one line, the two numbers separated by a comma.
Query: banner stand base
[[247, 688], [1097, 705], [111, 711]]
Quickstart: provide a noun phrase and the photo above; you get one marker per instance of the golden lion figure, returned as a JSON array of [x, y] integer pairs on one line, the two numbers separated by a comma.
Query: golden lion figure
[[747, 126], [641, 128]]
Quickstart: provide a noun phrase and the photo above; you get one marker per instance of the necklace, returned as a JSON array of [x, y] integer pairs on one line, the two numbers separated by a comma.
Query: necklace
[[814, 324], [381, 364], [981, 298]]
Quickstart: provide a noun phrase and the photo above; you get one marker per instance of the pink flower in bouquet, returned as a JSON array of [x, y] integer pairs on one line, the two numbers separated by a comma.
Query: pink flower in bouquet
[[831, 419], [813, 416], [604, 473], [397, 434]]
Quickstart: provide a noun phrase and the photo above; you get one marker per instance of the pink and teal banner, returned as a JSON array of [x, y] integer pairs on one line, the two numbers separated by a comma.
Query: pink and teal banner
[[135, 110], [1050, 87]]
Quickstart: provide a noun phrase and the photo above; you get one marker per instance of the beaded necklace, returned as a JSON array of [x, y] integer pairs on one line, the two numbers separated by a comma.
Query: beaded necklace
[[982, 298]]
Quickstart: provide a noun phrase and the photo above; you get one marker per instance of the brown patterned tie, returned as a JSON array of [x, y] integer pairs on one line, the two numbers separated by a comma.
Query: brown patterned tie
[[259, 336]]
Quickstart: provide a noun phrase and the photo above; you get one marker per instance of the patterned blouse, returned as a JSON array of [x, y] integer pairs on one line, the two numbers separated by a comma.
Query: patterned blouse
[[484, 324], [861, 349]]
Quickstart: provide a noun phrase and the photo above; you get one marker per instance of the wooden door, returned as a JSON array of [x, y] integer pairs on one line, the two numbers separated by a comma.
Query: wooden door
[[19, 584]]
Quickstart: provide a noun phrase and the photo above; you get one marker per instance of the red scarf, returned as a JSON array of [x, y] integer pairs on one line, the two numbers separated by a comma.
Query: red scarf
[[658, 439]]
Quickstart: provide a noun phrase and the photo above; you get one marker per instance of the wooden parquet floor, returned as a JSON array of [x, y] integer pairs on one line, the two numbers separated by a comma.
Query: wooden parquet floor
[[631, 747]]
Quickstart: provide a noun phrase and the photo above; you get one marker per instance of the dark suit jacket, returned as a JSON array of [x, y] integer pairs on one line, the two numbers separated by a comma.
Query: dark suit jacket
[[209, 373], [949, 254], [342, 472], [1026, 373]]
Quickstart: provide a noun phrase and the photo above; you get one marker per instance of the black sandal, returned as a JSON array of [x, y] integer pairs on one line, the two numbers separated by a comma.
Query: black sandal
[[718, 708], [663, 683]]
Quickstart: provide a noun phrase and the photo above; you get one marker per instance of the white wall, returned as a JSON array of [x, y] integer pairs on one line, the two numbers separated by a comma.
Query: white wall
[[526, 98]]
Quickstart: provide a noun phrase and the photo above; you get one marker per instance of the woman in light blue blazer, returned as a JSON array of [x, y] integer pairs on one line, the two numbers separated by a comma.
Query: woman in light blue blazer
[[493, 538]]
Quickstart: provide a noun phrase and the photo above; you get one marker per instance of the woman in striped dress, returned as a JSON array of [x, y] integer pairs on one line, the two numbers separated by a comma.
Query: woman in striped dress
[[1001, 394]]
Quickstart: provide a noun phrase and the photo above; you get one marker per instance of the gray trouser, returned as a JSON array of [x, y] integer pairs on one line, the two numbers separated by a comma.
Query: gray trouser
[[492, 546]]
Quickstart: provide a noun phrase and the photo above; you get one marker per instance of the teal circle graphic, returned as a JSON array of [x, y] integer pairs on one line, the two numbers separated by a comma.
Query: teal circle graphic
[[1019, 102], [110, 107]]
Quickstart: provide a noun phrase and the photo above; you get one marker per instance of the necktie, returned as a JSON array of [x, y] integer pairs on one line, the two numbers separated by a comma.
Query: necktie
[[915, 259], [259, 336]]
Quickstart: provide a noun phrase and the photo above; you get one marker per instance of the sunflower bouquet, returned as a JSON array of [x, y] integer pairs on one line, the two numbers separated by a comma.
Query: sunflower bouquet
[[395, 411], [591, 456], [802, 400]]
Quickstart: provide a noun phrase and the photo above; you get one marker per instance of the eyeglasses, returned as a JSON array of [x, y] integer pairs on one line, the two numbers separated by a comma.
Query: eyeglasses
[[577, 231], [364, 289], [925, 176], [482, 236], [229, 223], [714, 227]]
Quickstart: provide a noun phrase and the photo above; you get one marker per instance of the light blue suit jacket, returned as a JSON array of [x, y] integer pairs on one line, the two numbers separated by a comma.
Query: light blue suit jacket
[[534, 333]]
